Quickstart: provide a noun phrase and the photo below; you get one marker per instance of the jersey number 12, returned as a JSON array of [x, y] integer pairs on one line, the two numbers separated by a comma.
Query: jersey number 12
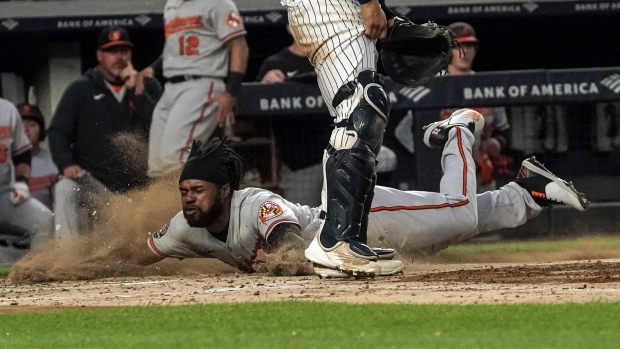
[[187, 45]]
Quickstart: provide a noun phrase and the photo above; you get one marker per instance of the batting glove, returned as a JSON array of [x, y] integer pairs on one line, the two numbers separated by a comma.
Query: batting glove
[[19, 193]]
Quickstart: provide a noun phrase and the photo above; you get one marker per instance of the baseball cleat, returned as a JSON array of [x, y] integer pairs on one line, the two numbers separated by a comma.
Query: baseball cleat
[[389, 267], [436, 133], [340, 258], [547, 188]]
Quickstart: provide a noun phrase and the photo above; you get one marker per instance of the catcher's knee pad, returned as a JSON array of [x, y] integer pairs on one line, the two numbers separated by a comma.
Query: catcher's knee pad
[[369, 118], [349, 174]]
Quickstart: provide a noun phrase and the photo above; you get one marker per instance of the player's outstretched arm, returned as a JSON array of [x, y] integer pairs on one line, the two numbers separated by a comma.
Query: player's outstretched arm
[[144, 256], [286, 235], [288, 257]]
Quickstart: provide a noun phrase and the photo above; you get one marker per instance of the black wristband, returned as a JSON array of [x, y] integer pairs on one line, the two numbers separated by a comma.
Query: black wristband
[[233, 82]]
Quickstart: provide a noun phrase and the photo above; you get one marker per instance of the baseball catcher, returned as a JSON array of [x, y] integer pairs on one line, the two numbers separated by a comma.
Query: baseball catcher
[[413, 53]]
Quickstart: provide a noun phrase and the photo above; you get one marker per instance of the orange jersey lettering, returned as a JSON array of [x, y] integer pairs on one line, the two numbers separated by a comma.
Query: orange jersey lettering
[[179, 24]]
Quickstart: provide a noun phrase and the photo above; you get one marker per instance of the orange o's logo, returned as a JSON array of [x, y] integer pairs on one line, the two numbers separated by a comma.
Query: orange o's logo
[[114, 35], [233, 20], [269, 210]]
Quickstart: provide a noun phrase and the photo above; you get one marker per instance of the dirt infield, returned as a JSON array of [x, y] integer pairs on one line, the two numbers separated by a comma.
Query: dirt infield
[[558, 282], [52, 276]]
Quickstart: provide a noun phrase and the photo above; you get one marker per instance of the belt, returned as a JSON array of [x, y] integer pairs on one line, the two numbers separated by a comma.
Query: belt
[[187, 77]]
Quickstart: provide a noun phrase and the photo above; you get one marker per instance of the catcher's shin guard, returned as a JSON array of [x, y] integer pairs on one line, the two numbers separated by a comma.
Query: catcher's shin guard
[[350, 172], [349, 178], [382, 253]]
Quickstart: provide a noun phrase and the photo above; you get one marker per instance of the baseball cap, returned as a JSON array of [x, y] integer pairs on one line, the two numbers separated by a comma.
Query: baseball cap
[[29, 111], [113, 36], [463, 32], [32, 112]]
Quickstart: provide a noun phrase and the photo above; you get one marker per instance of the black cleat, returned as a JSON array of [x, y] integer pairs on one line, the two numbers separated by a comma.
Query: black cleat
[[547, 188]]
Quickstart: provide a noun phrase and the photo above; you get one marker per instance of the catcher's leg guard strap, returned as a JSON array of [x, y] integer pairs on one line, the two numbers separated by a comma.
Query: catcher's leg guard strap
[[349, 175]]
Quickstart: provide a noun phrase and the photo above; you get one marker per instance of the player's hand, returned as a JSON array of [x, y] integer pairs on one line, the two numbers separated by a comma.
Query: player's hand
[[374, 20], [129, 75], [74, 172], [285, 261], [146, 73], [225, 114], [19, 192], [274, 76]]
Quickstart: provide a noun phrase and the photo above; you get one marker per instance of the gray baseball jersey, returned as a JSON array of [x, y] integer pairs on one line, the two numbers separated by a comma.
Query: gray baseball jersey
[[406, 220], [43, 175], [13, 141], [196, 32], [254, 214], [30, 217]]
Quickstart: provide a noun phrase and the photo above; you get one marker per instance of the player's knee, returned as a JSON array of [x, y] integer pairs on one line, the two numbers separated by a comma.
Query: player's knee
[[465, 214], [370, 116], [371, 86], [469, 218]]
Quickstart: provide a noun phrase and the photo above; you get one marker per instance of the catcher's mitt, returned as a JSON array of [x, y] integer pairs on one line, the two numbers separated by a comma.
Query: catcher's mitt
[[413, 53]]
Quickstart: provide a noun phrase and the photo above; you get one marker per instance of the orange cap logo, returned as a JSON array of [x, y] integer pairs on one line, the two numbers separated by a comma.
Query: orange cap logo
[[114, 35]]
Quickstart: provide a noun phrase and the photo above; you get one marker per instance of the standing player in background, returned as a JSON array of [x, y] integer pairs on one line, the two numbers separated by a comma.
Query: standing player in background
[[44, 172], [204, 61], [495, 138], [339, 36], [23, 220]]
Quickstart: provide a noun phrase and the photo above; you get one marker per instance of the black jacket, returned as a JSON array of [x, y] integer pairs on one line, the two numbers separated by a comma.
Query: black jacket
[[86, 121]]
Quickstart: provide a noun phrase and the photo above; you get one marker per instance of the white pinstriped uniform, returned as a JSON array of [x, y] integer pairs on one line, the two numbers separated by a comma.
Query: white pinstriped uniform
[[331, 34]]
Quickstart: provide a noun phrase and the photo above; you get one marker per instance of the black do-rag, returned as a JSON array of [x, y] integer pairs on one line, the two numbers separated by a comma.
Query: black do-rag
[[205, 163]]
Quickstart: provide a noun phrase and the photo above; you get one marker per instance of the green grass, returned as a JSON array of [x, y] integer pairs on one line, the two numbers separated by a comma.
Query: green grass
[[5, 271], [300, 325], [555, 245]]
